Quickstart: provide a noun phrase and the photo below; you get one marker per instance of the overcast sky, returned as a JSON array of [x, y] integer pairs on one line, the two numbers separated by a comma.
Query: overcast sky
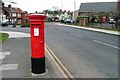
[[40, 5]]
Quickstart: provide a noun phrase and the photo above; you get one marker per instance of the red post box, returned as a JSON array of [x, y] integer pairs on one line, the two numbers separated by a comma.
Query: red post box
[[104, 19], [37, 43]]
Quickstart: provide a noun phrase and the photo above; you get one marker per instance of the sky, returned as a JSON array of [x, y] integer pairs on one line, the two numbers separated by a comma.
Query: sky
[[40, 5]]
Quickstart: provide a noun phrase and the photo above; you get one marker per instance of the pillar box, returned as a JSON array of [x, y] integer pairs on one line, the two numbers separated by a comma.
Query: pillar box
[[37, 43]]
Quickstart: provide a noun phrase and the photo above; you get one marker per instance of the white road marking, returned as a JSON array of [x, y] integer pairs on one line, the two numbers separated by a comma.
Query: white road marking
[[106, 44], [76, 35], [59, 63], [9, 67], [4, 54]]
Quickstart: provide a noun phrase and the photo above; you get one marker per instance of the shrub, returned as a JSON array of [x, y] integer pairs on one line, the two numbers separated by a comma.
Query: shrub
[[118, 24], [25, 25]]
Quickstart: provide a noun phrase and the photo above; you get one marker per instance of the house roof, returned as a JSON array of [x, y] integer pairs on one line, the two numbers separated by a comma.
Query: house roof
[[98, 7], [17, 10], [10, 10]]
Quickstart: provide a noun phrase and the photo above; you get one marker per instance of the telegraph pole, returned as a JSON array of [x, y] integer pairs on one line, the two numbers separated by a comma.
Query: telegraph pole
[[74, 9], [61, 4]]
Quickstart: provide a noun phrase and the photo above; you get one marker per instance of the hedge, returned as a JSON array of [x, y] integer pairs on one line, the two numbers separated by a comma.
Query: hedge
[[25, 25]]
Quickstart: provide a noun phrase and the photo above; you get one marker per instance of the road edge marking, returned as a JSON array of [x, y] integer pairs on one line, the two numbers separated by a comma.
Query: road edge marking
[[56, 63], [70, 75]]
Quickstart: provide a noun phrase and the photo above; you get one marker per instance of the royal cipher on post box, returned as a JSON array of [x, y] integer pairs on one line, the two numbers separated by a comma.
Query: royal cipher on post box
[[37, 43]]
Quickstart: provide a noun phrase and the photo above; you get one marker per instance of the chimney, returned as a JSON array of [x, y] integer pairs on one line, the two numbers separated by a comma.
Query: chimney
[[9, 6], [2, 4]]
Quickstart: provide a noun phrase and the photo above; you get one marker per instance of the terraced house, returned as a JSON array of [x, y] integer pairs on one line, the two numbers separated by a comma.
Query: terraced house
[[1, 12], [14, 15]]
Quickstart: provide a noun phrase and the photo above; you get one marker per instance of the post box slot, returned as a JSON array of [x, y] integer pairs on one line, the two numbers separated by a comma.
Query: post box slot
[[37, 25]]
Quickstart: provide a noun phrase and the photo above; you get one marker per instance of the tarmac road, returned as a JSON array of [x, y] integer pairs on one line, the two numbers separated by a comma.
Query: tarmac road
[[86, 54]]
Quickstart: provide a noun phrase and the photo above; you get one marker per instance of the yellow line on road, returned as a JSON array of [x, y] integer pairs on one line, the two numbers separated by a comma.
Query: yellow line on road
[[52, 55], [56, 63]]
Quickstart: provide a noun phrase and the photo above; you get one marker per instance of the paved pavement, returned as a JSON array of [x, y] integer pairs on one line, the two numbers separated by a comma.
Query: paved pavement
[[16, 59]]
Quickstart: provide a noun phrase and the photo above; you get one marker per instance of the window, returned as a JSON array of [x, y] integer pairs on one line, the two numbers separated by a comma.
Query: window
[[14, 15], [19, 15]]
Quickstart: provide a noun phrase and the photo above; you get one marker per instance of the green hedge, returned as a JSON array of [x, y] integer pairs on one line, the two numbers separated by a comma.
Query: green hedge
[[25, 25]]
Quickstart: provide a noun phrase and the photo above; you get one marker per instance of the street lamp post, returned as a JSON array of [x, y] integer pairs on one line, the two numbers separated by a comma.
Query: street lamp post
[[74, 9]]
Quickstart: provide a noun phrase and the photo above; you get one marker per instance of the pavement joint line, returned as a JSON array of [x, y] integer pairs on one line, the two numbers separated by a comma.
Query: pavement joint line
[[8, 67], [106, 44], [4, 54], [65, 69]]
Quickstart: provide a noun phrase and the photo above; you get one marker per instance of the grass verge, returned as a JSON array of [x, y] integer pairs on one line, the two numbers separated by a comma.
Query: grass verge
[[3, 37]]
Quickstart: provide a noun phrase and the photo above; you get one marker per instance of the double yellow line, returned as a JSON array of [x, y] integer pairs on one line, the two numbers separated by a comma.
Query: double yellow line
[[58, 63]]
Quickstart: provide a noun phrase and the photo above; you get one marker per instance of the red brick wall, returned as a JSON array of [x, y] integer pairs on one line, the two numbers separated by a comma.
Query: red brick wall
[[23, 18]]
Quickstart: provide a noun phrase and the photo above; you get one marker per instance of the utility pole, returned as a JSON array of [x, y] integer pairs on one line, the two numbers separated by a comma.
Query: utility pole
[[74, 9], [62, 4]]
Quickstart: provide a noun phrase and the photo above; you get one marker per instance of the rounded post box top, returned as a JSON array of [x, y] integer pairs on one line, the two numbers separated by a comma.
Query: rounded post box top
[[37, 16]]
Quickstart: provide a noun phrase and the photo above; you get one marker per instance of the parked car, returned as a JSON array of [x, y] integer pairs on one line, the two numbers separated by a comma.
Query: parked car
[[4, 23], [56, 19], [68, 21], [112, 21]]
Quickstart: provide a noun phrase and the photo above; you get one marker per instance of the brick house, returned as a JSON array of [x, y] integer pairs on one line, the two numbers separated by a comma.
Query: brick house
[[17, 15], [8, 11], [99, 10], [24, 16], [14, 15], [58, 14]]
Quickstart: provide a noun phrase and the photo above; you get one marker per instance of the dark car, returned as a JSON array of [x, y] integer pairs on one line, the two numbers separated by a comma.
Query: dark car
[[68, 21], [5, 24]]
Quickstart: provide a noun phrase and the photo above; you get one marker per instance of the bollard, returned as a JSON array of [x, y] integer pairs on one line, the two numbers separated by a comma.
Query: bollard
[[37, 43]]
